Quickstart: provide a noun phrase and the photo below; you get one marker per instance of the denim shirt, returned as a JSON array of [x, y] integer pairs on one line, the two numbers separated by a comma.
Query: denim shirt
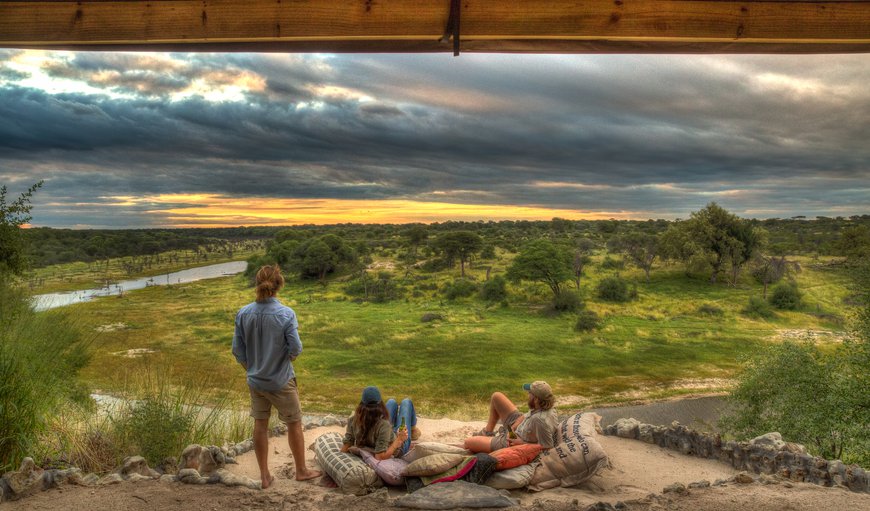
[[265, 339]]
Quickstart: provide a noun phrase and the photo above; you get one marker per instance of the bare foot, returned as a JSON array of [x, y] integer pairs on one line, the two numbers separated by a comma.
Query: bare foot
[[306, 474], [265, 483]]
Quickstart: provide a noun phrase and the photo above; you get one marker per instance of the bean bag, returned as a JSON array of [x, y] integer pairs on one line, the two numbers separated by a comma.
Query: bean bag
[[575, 459], [431, 465], [584, 424], [423, 449], [452, 474], [511, 479], [511, 457], [390, 470], [482, 470], [458, 494], [348, 471]]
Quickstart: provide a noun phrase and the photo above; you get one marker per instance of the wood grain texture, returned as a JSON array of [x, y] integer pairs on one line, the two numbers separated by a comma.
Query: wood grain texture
[[560, 26]]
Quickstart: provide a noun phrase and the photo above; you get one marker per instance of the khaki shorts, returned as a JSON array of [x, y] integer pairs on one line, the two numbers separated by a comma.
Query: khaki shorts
[[286, 401], [499, 441]]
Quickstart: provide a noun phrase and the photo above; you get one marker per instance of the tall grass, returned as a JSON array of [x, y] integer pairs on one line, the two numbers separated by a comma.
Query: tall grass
[[40, 356]]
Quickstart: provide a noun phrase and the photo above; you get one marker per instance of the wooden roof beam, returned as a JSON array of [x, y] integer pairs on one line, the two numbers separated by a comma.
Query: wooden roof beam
[[552, 26]]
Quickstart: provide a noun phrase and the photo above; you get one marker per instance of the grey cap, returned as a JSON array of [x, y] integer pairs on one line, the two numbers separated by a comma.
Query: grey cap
[[539, 389]]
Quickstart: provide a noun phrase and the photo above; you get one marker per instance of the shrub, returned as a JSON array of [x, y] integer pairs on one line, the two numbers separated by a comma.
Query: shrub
[[431, 316], [567, 301], [488, 252], [587, 321], [158, 428], [785, 296], [494, 290], [610, 263], [757, 307], [613, 289], [378, 290], [708, 309], [459, 288]]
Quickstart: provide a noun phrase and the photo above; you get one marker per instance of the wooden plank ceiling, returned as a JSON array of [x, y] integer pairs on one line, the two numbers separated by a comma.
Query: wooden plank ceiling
[[539, 26]]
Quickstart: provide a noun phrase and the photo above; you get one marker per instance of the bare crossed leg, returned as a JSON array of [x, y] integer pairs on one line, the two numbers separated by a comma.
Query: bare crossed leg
[[500, 408]]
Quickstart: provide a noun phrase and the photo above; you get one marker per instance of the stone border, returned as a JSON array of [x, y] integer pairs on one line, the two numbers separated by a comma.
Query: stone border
[[767, 454]]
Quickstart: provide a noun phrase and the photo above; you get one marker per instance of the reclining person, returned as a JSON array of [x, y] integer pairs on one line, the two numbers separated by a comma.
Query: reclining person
[[379, 427], [537, 426]]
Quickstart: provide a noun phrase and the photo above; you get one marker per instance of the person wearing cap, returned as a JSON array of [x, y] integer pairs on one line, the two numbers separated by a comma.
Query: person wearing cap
[[375, 425], [537, 426], [266, 342]]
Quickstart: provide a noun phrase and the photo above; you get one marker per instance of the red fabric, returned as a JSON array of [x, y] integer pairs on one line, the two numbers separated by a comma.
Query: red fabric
[[462, 470], [511, 457]]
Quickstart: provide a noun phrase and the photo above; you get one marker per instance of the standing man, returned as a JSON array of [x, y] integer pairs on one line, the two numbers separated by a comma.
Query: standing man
[[266, 342]]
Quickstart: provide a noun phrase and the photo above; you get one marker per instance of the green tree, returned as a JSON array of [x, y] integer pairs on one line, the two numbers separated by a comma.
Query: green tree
[[640, 248], [770, 269], [317, 259], [461, 245], [581, 258], [416, 235], [13, 249], [542, 261]]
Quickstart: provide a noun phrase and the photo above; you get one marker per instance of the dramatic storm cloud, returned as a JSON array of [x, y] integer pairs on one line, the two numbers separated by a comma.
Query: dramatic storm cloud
[[132, 140]]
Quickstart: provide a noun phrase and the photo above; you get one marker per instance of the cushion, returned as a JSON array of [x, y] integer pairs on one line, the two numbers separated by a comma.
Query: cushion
[[511, 457], [458, 494], [423, 449], [452, 474], [348, 471], [511, 479], [481, 471], [571, 462], [431, 465], [390, 470]]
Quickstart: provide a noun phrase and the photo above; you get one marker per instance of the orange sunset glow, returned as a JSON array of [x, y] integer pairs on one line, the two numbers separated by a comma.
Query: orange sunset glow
[[201, 210]]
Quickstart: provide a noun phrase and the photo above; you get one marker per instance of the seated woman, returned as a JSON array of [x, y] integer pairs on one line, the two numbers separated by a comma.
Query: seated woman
[[537, 426], [378, 427]]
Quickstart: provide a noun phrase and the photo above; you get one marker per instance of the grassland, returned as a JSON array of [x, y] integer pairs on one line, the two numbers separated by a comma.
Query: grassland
[[660, 345]]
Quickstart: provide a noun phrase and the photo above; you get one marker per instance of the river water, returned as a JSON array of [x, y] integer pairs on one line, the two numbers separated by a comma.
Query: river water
[[53, 300]]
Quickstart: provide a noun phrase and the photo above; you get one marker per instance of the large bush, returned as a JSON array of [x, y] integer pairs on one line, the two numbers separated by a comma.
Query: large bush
[[613, 289], [587, 321], [379, 289], [758, 308], [785, 296], [494, 289], [459, 288], [567, 301], [816, 399]]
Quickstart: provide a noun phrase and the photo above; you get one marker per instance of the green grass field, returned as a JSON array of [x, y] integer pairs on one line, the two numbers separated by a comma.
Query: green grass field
[[657, 346]]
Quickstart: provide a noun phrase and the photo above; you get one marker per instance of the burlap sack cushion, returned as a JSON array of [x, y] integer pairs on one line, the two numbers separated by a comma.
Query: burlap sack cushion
[[423, 449], [431, 465], [577, 458], [348, 471]]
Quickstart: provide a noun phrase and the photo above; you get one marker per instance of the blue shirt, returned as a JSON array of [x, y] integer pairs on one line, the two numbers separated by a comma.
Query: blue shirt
[[266, 338]]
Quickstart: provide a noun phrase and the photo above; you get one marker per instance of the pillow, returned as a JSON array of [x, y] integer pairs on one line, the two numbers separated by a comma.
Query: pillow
[[481, 471], [423, 449], [458, 494], [513, 478], [452, 474], [511, 457], [431, 465], [348, 471], [390, 470], [582, 424]]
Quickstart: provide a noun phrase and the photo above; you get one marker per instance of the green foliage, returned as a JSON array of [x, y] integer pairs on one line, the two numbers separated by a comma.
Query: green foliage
[[786, 296], [542, 261], [494, 289], [459, 288], [568, 301], [379, 289], [158, 427], [758, 307], [40, 358], [708, 309], [640, 248], [613, 289], [806, 395], [609, 263], [461, 245], [854, 243], [13, 256], [587, 321], [488, 251]]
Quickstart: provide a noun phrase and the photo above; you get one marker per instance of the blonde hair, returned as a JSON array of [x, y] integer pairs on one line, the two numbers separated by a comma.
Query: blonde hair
[[548, 403], [269, 281]]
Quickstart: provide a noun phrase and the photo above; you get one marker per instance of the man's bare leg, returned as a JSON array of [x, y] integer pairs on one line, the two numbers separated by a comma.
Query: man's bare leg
[[261, 449], [296, 439], [500, 407]]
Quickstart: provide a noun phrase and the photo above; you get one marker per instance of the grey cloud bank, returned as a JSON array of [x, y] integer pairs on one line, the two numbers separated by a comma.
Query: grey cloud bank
[[654, 136]]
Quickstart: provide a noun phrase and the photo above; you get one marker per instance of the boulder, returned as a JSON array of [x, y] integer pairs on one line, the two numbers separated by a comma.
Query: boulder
[[675, 488], [27, 480], [137, 465], [110, 479], [744, 478], [771, 440], [191, 476], [627, 428]]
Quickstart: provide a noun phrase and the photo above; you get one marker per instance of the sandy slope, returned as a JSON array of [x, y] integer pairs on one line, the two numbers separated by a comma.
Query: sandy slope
[[639, 470]]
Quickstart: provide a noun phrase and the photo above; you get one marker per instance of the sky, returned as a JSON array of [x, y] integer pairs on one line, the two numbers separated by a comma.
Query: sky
[[133, 140]]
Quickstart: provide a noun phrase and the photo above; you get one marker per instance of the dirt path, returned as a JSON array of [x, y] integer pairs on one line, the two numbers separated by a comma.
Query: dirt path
[[639, 474]]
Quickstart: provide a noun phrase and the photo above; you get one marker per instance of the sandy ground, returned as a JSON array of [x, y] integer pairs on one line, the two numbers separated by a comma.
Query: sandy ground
[[639, 474]]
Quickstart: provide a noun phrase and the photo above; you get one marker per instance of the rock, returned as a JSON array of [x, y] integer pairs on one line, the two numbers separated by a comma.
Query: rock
[[645, 433], [794, 448], [27, 480], [135, 478], [227, 478], [330, 420], [627, 428], [675, 488], [772, 440], [190, 457], [90, 480], [111, 479], [766, 479], [699, 484], [167, 478], [136, 465], [601, 506], [169, 465], [744, 478], [720, 482], [456, 494], [54, 478], [190, 476]]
